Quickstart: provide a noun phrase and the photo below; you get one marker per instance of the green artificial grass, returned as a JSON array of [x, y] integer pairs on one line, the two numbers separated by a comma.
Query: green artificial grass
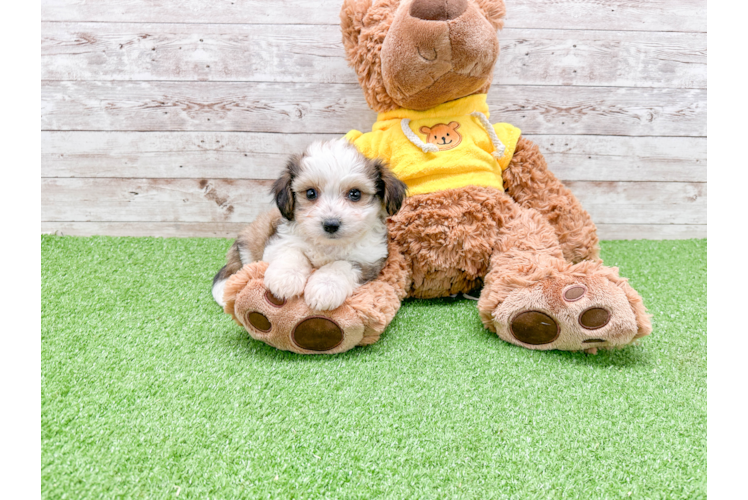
[[150, 391]]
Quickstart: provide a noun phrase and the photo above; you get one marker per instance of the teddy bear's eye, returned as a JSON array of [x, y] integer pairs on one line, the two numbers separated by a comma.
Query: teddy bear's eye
[[447, 135], [354, 195], [311, 194]]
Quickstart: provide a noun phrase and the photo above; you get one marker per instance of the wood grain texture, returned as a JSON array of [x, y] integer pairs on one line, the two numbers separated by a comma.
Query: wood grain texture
[[623, 15], [314, 54], [154, 200], [171, 118], [239, 200], [231, 229], [239, 155], [635, 202], [185, 155], [338, 108]]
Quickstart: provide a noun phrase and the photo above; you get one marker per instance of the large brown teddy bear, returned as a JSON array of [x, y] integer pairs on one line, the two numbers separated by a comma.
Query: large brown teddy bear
[[483, 208]]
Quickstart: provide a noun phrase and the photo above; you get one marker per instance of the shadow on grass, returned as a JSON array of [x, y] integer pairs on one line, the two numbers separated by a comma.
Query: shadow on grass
[[630, 356], [239, 340]]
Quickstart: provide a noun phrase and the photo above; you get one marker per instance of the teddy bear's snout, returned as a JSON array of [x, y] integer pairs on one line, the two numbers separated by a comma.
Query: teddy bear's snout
[[437, 51], [437, 10]]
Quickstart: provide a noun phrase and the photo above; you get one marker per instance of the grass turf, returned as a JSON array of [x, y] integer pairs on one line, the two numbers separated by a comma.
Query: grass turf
[[150, 391]]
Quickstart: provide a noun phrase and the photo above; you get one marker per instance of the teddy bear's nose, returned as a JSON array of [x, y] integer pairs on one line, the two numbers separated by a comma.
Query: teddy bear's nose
[[437, 10]]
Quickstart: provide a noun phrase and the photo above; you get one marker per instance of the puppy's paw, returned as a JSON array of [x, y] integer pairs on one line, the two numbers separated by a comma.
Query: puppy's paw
[[285, 282], [325, 291]]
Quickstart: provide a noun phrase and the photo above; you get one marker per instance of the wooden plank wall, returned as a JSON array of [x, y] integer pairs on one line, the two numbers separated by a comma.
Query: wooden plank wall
[[171, 117]]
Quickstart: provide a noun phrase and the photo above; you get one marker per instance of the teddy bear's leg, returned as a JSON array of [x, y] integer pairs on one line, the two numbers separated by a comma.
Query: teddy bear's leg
[[534, 298], [529, 182], [291, 325]]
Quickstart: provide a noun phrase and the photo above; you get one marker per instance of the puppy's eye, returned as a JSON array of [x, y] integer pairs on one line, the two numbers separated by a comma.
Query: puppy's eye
[[311, 194], [354, 195]]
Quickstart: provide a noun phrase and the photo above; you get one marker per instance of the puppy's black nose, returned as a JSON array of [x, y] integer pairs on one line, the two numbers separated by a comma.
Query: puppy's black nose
[[331, 225]]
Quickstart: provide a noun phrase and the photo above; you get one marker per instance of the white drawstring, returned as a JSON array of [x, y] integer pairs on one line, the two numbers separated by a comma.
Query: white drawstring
[[498, 146], [426, 148]]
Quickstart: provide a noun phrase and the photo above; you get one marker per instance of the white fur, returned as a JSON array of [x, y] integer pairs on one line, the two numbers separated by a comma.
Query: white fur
[[288, 271], [331, 285], [245, 256], [218, 288], [331, 168]]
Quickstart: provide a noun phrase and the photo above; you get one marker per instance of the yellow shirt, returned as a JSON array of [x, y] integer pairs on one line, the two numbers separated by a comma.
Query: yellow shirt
[[448, 146]]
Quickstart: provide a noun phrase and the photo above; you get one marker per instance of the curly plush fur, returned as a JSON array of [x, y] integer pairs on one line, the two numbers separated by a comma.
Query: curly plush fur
[[532, 248]]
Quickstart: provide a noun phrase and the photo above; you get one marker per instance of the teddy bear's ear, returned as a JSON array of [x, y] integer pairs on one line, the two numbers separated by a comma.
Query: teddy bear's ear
[[364, 24], [425, 130], [352, 21], [494, 10], [454, 125]]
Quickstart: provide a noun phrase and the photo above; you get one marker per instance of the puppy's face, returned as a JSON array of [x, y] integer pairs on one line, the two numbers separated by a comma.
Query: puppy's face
[[334, 194]]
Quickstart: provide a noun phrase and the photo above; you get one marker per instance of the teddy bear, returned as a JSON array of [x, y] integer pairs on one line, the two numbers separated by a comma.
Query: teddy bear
[[483, 211]]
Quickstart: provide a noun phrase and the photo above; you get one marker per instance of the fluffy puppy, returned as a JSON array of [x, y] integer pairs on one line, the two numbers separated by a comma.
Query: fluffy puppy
[[332, 236]]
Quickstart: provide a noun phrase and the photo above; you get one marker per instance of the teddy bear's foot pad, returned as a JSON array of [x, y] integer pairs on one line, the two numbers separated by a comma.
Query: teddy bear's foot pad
[[291, 325], [538, 328], [317, 334], [573, 313], [535, 328]]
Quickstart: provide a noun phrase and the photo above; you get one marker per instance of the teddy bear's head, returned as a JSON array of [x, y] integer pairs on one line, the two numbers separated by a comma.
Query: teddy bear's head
[[417, 54]]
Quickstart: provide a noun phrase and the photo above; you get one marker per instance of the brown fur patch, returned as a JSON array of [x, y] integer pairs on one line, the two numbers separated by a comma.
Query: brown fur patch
[[532, 185], [252, 240], [255, 236], [285, 199], [437, 10], [364, 27], [453, 234], [391, 191], [494, 10], [370, 272]]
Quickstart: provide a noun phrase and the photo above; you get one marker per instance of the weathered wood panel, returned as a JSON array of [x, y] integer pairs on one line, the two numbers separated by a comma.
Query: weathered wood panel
[[337, 108], [231, 229], [226, 155], [207, 200], [239, 155], [170, 117], [622, 15], [648, 231], [154, 200], [160, 229], [314, 54], [635, 202]]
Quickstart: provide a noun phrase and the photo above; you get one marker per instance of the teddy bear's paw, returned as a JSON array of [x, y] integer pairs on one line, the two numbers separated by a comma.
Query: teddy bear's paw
[[573, 313], [290, 325]]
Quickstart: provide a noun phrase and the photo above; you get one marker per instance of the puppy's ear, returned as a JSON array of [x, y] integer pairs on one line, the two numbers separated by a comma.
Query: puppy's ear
[[390, 189], [281, 190]]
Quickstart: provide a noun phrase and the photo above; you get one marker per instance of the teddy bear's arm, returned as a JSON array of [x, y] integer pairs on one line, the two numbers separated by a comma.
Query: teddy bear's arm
[[529, 182]]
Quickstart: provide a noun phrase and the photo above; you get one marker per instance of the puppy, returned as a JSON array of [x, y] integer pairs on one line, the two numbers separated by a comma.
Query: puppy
[[331, 234]]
